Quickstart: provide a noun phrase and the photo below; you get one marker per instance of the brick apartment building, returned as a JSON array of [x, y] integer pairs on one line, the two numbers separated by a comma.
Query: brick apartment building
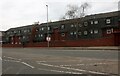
[[92, 30]]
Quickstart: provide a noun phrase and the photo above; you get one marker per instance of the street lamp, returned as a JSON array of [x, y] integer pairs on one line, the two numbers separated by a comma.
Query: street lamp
[[47, 27]]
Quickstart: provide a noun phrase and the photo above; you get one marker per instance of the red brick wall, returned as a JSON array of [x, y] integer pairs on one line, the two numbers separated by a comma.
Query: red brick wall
[[108, 41]]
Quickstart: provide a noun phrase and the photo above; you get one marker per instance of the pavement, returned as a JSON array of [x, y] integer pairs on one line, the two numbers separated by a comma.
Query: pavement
[[59, 61]]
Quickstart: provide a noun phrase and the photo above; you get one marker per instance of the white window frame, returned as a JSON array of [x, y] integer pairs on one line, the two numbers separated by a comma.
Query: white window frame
[[79, 33], [41, 35], [71, 33], [108, 31], [48, 28], [42, 28], [85, 23], [91, 31], [62, 26], [72, 25], [108, 21], [80, 25], [75, 33], [96, 22], [63, 34], [96, 31], [85, 32], [92, 22]]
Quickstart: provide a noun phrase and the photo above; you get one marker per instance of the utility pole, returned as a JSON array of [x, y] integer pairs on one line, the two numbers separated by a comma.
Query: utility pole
[[47, 28]]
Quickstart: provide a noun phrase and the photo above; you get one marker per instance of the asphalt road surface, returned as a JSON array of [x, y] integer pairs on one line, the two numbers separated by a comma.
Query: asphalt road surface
[[58, 61]]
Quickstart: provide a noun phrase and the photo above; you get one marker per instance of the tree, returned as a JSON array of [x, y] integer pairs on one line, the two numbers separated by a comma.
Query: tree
[[75, 11]]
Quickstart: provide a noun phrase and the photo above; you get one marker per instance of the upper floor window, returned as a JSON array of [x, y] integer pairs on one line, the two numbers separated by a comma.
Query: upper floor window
[[62, 26], [8, 32], [85, 23], [72, 25], [48, 28], [37, 29], [42, 28], [108, 21], [85, 32], [80, 25], [91, 22], [25, 30], [95, 22], [19, 31], [14, 31]]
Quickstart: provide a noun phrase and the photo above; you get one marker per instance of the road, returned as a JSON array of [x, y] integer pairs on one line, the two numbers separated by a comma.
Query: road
[[59, 61]]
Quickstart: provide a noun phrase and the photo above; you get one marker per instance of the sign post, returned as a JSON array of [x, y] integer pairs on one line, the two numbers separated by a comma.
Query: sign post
[[48, 40]]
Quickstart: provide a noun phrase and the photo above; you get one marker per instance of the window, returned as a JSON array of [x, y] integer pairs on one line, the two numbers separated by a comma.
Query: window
[[19, 31], [41, 35], [85, 23], [37, 29], [75, 33], [8, 32], [15, 42], [108, 21], [42, 28], [72, 25], [14, 31], [91, 22], [62, 26], [95, 31], [49, 28], [19, 42], [12, 43], [62, 34], [109, 31], [71, 33], [95, 22], [79, 33], [23, 37], [85, 32], [80, 25], [25, 30], [91, 31]]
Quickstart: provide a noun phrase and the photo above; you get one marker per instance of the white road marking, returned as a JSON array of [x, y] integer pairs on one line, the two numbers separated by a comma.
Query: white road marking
[[88, 64], [27, 65], [12, 61], [12, 58], [69, 68], [61, 71], [18, 61]]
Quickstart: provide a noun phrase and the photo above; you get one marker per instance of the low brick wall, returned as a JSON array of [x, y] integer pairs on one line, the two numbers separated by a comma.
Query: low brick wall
[[79, 43]]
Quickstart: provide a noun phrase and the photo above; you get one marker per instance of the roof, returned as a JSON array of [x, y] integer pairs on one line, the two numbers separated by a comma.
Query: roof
[[94, 16]]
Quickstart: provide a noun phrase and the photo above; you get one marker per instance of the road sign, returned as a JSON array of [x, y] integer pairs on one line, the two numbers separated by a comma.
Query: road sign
[[48, 38]]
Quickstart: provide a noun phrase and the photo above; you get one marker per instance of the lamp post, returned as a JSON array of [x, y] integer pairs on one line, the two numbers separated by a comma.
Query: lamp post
[[47, 27]]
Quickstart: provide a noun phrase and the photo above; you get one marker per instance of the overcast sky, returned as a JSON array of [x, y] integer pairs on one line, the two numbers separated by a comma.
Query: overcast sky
[[15, 13]]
